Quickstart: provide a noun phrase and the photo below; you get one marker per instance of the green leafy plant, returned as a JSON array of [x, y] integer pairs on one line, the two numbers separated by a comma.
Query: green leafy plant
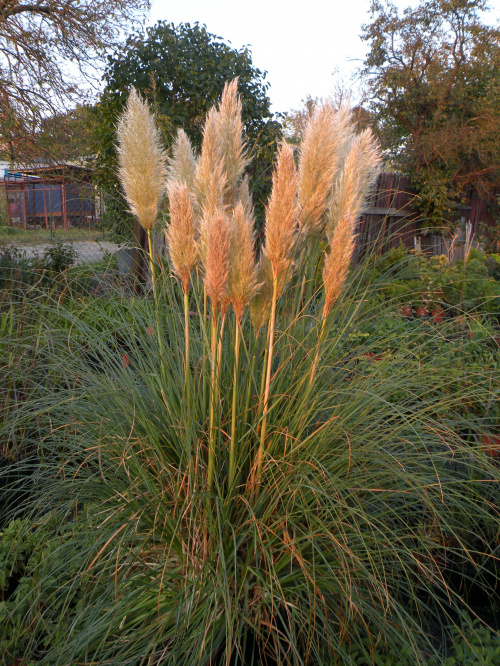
[[59, 257]]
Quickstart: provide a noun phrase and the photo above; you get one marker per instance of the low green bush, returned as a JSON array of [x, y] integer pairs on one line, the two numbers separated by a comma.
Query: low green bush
[[422, 285]]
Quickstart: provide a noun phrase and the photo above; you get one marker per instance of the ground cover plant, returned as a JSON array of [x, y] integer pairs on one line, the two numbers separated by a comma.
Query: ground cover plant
[[240, 468]]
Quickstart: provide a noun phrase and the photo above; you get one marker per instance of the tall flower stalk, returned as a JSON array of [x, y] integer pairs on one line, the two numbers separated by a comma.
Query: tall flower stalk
[[142, 171], [216, 268], [181, 238], [279, 245], [242, 287], [353, 186]]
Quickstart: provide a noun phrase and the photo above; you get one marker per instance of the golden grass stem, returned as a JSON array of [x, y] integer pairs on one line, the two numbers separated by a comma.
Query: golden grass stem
[[212, 430], [232, 445], [187, 379], [219, 348], [205, 374], [270, 344]]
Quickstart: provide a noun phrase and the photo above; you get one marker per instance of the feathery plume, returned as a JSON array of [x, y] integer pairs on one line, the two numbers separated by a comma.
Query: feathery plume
[[216, 259], [244, 197], [181, 233], [232, 147], [326, 133], [182, 164], [242, 285], [355, 181], [142, 161], [223, 153], [281, 227], [353, 186], [260, 305], [210, 180]]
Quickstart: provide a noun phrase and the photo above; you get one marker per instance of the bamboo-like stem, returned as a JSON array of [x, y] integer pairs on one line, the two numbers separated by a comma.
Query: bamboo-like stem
[[219, 348], [248, 410], [211, 445], [264, 369], [232, 444], [187, 379], [270, 342], [205, 374]]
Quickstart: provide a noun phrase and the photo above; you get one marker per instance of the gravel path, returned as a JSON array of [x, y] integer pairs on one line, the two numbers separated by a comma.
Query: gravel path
[[87, 252]]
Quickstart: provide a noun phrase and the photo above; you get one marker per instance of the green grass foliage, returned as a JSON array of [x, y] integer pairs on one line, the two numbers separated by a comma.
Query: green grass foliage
[[375, 493]]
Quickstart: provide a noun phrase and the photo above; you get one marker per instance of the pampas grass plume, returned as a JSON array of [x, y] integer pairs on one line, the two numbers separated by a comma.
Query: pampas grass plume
[[359, 173], [281, 213], [182, 164], [210, 180], [242, 285], [217, 258], [260, 305], [320, 154], [181, 233], [232, 147], [142, 161]]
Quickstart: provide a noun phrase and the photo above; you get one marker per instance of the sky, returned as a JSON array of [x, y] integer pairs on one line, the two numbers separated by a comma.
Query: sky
[[306, 46]]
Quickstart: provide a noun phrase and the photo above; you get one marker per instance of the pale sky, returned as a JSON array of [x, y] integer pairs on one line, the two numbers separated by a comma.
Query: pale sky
[[299, 43]]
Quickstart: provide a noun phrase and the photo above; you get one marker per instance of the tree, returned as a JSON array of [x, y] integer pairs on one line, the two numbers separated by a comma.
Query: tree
[[68, 136], [433, 74], [49, 50], [295, 121], [181, 71]]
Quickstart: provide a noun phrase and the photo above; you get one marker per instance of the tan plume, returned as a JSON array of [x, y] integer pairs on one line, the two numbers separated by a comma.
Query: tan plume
[[244, 197], [232, 147], [358, 175], [181, 233], [260, 305], [182, 164], [321, 151], [217, 257], [223, 153], [142, 161], [210, 180], [242, 285], [281, 224]]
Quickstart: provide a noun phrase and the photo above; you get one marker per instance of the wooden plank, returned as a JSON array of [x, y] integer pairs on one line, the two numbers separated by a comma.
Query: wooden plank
[[388, 212]]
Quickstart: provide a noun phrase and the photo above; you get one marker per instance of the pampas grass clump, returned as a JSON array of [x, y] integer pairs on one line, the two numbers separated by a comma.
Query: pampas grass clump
[[253, 489]]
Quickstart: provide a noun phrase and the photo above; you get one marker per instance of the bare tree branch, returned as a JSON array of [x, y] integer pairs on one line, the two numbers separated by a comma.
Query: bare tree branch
[[51, 53]]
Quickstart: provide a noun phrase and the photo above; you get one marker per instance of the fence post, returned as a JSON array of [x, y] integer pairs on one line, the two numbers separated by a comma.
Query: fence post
[[139, 258]]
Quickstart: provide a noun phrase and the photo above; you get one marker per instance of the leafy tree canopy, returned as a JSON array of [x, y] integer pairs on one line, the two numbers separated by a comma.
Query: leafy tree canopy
[[181, 70], [433, 73]]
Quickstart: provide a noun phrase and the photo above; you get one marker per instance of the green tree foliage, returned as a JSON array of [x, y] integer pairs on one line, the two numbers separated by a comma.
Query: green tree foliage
[[181, 70], [433, 73]]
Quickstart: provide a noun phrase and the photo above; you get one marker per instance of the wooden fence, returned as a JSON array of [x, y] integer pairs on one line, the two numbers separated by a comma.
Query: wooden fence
[[391, 217]]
